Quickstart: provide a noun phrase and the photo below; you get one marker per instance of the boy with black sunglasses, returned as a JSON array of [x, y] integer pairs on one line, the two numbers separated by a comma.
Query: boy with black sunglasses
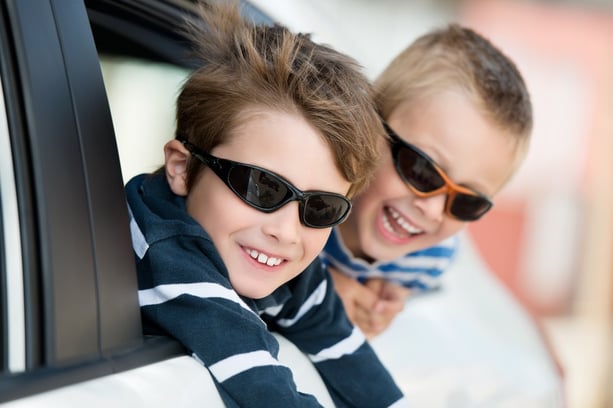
[[274, 133], [459, 120]]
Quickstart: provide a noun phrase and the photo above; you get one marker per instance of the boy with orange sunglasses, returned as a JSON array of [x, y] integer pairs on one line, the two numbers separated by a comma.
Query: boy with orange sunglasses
[[459, 119]]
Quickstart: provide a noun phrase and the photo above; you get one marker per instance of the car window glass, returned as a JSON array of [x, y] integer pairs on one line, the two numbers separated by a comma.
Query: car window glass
[[142, 97], [12, 343]]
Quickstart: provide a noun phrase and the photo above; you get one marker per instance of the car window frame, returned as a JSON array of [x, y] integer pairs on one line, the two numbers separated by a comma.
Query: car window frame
[[91, 288]]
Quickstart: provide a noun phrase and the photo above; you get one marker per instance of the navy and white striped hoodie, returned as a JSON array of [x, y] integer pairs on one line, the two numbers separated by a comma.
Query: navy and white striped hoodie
[[184, 292]]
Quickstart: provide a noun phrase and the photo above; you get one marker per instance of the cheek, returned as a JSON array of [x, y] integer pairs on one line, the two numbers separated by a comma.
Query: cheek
[[314, 240], [214, 206], [201, 211], [386, 185], [450, 227]]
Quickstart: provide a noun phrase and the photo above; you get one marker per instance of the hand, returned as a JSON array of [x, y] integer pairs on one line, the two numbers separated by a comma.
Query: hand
[[354, 295], [391, 300], [371, 306]]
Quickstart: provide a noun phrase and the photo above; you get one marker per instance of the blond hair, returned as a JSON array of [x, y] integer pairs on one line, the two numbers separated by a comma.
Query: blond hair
[[456, 57]]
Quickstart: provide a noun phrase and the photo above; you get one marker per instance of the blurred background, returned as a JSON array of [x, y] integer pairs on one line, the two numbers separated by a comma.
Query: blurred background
[[548, 240], [550, 235]]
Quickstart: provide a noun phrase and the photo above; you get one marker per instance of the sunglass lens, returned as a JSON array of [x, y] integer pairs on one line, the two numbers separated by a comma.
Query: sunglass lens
[[263, 190], [418, 170], [469, 207], [325, 210], [267, 192]]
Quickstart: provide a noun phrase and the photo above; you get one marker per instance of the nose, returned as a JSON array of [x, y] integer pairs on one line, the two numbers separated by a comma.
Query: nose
[[432, 207], [283, 224]]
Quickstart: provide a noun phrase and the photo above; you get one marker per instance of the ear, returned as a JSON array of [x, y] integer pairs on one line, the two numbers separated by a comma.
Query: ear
[[176, 160]]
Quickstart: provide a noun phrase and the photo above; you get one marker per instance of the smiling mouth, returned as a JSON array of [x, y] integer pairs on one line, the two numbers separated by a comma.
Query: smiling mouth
[[262, 258], [395, 223]]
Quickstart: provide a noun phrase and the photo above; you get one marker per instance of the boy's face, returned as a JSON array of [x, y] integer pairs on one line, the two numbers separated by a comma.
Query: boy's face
[[264, 250], [388, 220]]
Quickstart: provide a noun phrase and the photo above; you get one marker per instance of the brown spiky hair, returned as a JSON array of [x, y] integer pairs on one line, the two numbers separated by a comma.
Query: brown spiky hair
[[456, 57], [246, 67]]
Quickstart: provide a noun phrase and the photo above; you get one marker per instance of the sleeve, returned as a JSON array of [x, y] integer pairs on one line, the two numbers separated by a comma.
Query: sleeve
[[183, 293], [315, 321]]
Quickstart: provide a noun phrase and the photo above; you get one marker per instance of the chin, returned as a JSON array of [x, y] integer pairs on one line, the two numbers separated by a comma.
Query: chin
[[255, 293], [385, 252]]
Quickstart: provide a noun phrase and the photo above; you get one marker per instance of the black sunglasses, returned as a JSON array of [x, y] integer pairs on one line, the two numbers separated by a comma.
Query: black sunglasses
[[425, 178], [267, 191]]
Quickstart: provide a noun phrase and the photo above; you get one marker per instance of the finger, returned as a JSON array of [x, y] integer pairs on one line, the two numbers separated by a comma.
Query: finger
[[380, 321], [362, 316], [366, 298], [375, 284], [393, 291], [390, 306], [364, 320]]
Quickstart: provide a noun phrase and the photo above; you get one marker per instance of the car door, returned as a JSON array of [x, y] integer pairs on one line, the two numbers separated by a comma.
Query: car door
[[68, 294]]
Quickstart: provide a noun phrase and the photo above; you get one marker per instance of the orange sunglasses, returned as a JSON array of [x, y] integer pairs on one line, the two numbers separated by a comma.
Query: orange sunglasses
[[426, 179]]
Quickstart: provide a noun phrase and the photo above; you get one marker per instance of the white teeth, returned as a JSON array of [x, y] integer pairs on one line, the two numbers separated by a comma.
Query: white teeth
[[263, 258], [273, 261], [386, 223], [400, 221]]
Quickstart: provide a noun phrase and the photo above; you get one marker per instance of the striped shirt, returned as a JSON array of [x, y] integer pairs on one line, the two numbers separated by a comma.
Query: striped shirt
[[419, 270], [184, 292]]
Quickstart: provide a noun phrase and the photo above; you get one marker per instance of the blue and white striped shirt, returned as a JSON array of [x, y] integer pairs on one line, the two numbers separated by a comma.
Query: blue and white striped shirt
[[184, 292], [419, 270]]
